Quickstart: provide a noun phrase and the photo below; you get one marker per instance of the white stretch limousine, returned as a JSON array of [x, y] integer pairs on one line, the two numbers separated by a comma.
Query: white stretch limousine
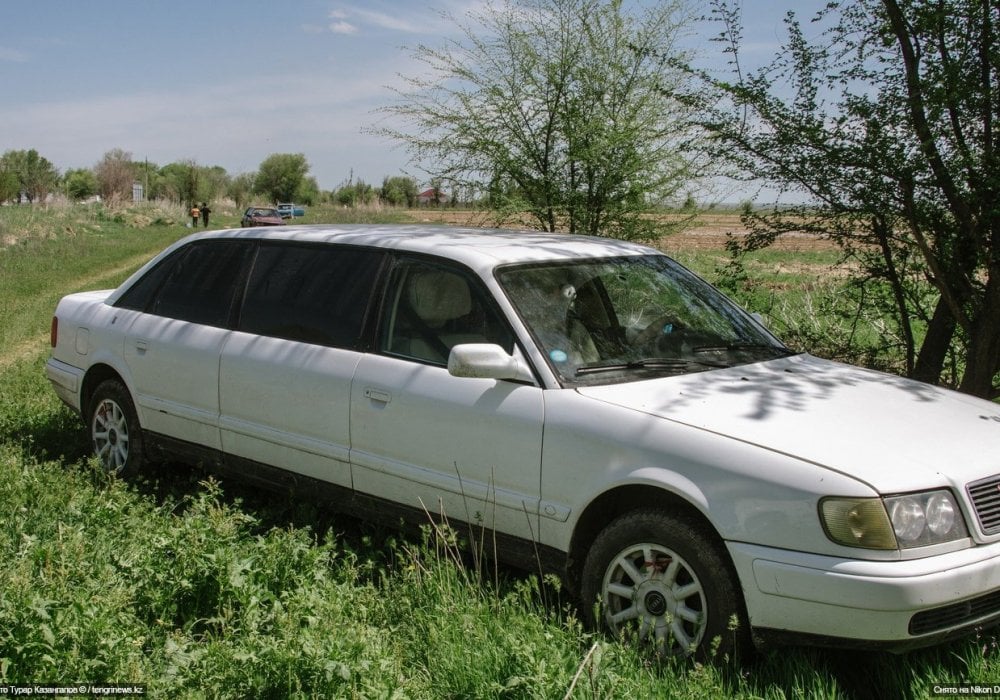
[[586, 401]]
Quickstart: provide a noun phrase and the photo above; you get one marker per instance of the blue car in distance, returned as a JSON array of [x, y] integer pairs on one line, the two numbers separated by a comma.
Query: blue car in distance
[[288, 210]]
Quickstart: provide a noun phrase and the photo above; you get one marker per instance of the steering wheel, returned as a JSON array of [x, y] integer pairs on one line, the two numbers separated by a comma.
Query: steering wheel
[[655, 329]]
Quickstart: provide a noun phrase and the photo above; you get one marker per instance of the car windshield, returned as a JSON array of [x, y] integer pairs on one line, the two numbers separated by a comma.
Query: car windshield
[[623, 319]]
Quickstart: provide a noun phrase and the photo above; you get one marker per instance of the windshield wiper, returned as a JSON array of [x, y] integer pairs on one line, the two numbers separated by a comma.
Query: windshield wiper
[[674, 363]]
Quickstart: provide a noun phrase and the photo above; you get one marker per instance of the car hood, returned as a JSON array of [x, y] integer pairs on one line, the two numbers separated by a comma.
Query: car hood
[[890, 432]]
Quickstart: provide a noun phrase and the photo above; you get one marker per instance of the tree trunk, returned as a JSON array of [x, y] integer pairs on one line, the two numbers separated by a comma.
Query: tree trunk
[[934, 349], [983, 361], [883, 231]]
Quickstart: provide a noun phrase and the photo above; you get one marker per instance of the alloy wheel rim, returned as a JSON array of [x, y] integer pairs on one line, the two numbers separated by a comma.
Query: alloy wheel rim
[[110, 435], [652, 594]]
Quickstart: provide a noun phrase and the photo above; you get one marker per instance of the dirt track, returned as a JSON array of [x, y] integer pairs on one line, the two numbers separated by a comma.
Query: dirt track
[[30, 347]]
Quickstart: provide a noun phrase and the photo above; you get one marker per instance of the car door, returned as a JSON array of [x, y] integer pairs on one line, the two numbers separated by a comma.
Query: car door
[[467, 448], [178, 318], [285, 374]]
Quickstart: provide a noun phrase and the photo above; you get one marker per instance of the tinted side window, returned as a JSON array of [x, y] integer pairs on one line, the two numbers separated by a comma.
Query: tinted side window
[[313, 294], [140, 295], [432, 308], [201, 283]]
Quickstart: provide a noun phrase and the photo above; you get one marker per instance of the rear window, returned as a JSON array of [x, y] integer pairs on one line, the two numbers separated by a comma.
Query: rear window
[[197, 283]]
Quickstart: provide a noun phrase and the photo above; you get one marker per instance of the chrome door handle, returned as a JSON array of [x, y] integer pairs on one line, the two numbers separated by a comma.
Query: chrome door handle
[[377, 395]]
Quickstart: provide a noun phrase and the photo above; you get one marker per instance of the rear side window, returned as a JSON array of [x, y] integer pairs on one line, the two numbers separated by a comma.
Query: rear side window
[[140, 295], [197, 284], [310, 293]]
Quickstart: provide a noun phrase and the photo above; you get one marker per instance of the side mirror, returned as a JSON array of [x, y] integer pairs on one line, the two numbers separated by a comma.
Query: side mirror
[[486, 361]]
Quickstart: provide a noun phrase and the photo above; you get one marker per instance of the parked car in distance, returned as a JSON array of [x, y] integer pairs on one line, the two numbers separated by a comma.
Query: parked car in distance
[[261, 216], [290, 211], [591, 406]]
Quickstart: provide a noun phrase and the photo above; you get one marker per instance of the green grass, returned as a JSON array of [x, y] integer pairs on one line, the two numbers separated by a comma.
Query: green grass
[[70, 250], [199, 588]]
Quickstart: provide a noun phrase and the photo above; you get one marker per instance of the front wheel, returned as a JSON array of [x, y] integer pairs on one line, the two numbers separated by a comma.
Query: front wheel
[[114, 429], [660, 580]]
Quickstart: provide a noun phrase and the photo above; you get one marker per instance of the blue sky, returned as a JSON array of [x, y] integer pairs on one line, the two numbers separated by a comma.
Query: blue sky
[[228, 82]]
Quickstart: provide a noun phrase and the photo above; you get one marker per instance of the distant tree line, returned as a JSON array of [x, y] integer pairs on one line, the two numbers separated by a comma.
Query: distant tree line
[[27, 177]]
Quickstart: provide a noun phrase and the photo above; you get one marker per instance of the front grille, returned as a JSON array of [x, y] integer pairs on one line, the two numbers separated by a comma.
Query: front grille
[[967, 611], [985, 495]]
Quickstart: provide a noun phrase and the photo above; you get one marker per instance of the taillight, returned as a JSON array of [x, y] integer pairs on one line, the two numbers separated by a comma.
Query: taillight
[[54, 331]]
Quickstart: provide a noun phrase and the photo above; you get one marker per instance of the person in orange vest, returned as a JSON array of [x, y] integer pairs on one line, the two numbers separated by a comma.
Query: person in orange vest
[[195, 215]]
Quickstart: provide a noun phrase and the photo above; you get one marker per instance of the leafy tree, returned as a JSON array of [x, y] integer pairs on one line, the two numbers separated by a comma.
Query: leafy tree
[[36, 177], [240, 188], [308, 191], [182, 180], [115, 175], [153, 182], [10, 185], [186, 182], [281, 175], [345, 196], [212, 182], [79, 184], [399, 191], [888, 123], [355, 194], [561, 108]]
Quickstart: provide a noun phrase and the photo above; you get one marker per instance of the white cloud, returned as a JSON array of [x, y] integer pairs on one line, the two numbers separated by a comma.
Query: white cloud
[[343, 27], [422, 19], [386, 21], [340, 25], [12, 55]]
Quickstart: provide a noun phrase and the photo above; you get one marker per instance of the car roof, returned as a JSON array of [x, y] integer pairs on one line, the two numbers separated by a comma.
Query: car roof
[[477, 248]]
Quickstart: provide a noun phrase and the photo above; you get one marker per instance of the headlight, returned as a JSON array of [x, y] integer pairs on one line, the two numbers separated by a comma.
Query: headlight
[[920, 519], [912, 520]]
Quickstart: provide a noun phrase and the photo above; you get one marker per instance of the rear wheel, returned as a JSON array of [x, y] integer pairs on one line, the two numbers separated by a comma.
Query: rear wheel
[[661, 581], [114, 429]]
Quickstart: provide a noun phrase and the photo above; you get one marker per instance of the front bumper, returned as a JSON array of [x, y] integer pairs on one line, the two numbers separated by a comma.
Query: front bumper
[[885, 604]]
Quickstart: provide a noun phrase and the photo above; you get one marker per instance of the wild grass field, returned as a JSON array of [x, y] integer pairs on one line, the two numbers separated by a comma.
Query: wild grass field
[[199, 588]]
